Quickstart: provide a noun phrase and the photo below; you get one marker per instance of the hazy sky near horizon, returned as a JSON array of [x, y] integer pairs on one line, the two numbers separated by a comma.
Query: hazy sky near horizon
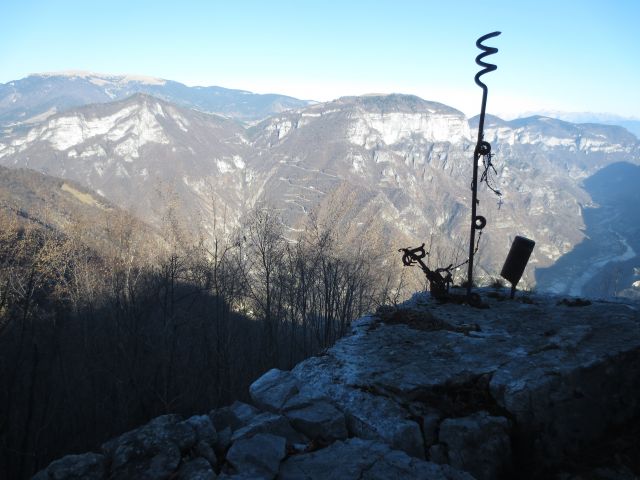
[[565, 55]]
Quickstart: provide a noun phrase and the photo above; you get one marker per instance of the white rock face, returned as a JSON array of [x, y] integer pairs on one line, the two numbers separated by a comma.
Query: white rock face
[[128, 147], [238, 162], [147, 128], [180, 120], [68, 131], [65, 132], [395, 127], [93, 151], [524, 136], [281, 127], [357, 163], [223, 167], [512, 136]]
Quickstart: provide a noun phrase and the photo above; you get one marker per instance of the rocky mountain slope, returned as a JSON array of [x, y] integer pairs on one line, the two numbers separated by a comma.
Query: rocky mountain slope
[[567, 160], [47, 200], [605, 263], [533, 388], [394, 167], [64, 208], [37, 97], [632, 124], [407, 164], [141, 153]]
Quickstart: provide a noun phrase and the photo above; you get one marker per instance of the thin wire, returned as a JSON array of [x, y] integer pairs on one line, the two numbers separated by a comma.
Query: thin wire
[[488, 177]]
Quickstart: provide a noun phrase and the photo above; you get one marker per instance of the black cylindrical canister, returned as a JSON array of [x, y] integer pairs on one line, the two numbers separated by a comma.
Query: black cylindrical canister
[[517, 259]]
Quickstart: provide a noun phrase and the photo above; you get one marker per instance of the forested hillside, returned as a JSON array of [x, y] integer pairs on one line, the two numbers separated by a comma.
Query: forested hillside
[[105, 325]]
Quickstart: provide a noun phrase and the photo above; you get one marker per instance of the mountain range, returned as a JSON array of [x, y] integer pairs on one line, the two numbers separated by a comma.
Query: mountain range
[[391, 166], [37, 97], [630, 123]]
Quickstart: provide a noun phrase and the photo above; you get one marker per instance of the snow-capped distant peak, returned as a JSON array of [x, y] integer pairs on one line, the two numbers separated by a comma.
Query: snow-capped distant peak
[[103, 79]]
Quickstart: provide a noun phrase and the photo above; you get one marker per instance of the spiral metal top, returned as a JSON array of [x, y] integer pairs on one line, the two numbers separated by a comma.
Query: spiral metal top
[[486, 51]]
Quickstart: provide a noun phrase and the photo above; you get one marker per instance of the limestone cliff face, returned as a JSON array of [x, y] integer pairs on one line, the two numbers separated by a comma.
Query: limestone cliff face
[[521, 389]]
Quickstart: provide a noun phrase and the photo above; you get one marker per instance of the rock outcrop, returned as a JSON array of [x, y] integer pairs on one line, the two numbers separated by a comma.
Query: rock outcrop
[[523, 389]]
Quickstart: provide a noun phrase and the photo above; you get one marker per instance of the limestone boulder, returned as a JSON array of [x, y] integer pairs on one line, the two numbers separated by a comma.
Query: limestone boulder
[[196, 469], [258, 455], [273, 389], [150, 452], [319, 420], [235, 416], [270, 423], [203, 428], [364, 460], [228, 419], [89, 466], [368, 415], [479, 444], [205, 450]]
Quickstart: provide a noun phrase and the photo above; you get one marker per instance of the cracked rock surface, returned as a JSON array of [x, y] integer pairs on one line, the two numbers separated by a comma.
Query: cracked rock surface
[[536, 389], [555, 378], [363, 459]]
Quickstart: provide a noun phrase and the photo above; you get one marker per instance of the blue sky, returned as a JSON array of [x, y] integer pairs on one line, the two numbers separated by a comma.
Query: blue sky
[[565, 55]]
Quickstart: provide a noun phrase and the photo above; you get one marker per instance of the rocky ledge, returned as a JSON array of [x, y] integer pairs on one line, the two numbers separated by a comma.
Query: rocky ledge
[[533, 388]]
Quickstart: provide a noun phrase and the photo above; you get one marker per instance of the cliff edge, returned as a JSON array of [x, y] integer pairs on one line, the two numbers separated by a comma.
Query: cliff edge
[[537, 387]]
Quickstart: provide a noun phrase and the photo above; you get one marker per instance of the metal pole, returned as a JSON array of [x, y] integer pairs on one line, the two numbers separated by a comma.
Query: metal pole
[[472, 232], [477, 222]]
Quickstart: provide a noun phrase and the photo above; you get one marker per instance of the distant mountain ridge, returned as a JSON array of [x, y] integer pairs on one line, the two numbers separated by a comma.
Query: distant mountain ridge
[[548, 126], [632, 124], [38, 96]]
